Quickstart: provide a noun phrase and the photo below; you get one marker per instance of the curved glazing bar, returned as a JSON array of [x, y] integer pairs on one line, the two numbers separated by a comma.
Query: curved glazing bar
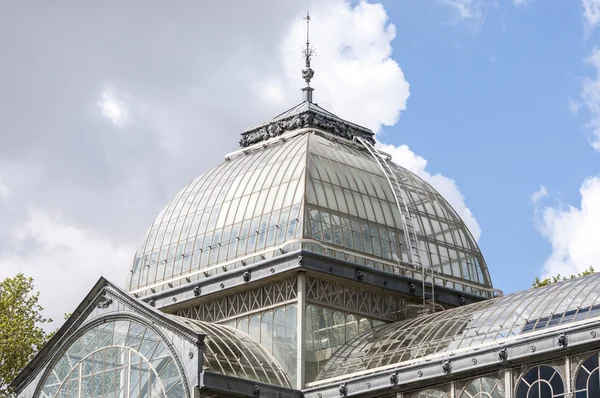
[[258, 200], [483, 387], [352, 205], [587, 379], [429, 393], [245, 205], [468, 326], [541, 382], [230, 352], [275, 330], [116, 359]]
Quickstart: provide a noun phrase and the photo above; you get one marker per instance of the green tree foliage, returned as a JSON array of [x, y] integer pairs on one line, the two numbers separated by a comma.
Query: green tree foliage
[[21, 333], [559, 278]]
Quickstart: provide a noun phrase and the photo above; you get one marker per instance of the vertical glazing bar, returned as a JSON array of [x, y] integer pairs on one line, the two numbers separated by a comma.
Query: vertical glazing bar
[[300, 330], [568, 375], [128, 373], [452, 389], [80, 374], [508, 390]]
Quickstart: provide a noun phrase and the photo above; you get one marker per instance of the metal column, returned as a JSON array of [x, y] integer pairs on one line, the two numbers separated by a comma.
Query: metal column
[[301, 330]]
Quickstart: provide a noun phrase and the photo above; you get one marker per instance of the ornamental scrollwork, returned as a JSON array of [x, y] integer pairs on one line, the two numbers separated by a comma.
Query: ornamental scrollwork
[[305, 119]]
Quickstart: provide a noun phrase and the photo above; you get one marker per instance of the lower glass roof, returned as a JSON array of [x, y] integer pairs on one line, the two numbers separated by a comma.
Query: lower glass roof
[[465, 327], [229, 352]]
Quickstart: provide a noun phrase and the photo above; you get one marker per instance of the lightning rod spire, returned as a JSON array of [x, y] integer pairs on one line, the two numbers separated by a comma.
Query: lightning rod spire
[[307, 73]]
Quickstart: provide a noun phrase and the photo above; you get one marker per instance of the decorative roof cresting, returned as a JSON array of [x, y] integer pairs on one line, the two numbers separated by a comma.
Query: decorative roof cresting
[[306, 114]]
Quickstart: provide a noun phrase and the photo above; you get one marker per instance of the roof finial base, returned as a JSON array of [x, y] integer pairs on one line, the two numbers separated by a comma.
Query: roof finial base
[[307, 94]]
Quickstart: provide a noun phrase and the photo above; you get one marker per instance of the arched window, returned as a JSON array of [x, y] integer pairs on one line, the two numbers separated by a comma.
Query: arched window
[[266, 331], [339, 334], [116, 359], [363, 325], [254, 327], [430, 393], [351, 327], [587, 381], [541, 382], [483, 387]]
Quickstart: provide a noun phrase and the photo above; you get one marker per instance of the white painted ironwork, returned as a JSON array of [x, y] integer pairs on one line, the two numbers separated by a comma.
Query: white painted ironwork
[[242, 302], [353, 300], [410, 231]]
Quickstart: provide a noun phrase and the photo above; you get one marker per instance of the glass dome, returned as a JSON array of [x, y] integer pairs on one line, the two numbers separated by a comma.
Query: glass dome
[[305, 189]]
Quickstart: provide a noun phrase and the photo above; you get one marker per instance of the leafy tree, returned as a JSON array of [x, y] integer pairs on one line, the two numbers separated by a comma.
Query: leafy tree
[[21, 334], [559, 278]]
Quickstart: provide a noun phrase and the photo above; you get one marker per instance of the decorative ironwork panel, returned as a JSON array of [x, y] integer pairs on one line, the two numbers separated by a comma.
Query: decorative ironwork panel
[[355, 300], [239, 303]]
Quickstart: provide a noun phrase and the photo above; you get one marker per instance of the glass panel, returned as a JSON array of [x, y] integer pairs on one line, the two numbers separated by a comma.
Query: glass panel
[[93, 367], [253, 186], [464, 327]]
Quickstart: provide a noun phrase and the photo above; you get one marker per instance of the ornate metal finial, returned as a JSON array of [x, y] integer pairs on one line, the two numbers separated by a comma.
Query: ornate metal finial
[[308, 52]]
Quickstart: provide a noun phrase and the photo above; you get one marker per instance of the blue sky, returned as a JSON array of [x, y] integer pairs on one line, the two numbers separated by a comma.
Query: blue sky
[[108, 112], [490, 107]]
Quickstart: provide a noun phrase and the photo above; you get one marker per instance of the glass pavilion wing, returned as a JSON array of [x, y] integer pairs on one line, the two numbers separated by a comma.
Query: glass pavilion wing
[[468, 326], [229, 352], [117, 358], [350, 204], [241, 208]]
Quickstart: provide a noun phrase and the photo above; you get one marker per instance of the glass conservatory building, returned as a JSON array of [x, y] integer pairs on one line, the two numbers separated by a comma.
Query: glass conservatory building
[[308, 264]]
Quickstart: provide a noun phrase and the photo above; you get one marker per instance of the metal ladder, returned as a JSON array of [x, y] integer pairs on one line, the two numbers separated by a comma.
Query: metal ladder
[[410, 235]]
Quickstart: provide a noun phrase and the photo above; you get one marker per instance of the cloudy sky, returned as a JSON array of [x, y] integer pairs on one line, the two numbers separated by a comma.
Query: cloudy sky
[[108, 109]]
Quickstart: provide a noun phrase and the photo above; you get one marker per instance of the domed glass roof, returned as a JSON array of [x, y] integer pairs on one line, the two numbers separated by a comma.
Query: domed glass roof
[[305, 188]]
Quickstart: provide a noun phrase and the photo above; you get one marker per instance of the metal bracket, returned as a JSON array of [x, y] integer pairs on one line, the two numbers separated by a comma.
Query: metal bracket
[[562, 340], [343, 389], [447, 367]]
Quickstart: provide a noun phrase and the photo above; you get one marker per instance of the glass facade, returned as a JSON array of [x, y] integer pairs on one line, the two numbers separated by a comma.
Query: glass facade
[[587, 380], [468, 326], [541, 382], [122, 359], [244, 206], [352, 206], [257, 201], [276, 331], [327, 330], [483, 387], [231, 352], [430, 393]]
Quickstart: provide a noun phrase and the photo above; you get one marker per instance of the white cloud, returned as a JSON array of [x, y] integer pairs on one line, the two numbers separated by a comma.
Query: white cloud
[[66, 262], [591, 13], [353, 62], [445, 186], [4, 191], [520, 3], [590, 98], [539, 194], [574, 106], [573, 232], [466, 11], [175, 105], [113, 106]]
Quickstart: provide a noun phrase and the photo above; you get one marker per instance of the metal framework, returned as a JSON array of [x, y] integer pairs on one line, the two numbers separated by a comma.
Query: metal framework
[[229, 352], [465, 327], [355, 300], [245, 301], [410, 232], [221, 221]]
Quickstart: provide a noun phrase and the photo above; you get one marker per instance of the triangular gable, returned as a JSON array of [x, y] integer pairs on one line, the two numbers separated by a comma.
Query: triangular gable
[[106, 302]]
